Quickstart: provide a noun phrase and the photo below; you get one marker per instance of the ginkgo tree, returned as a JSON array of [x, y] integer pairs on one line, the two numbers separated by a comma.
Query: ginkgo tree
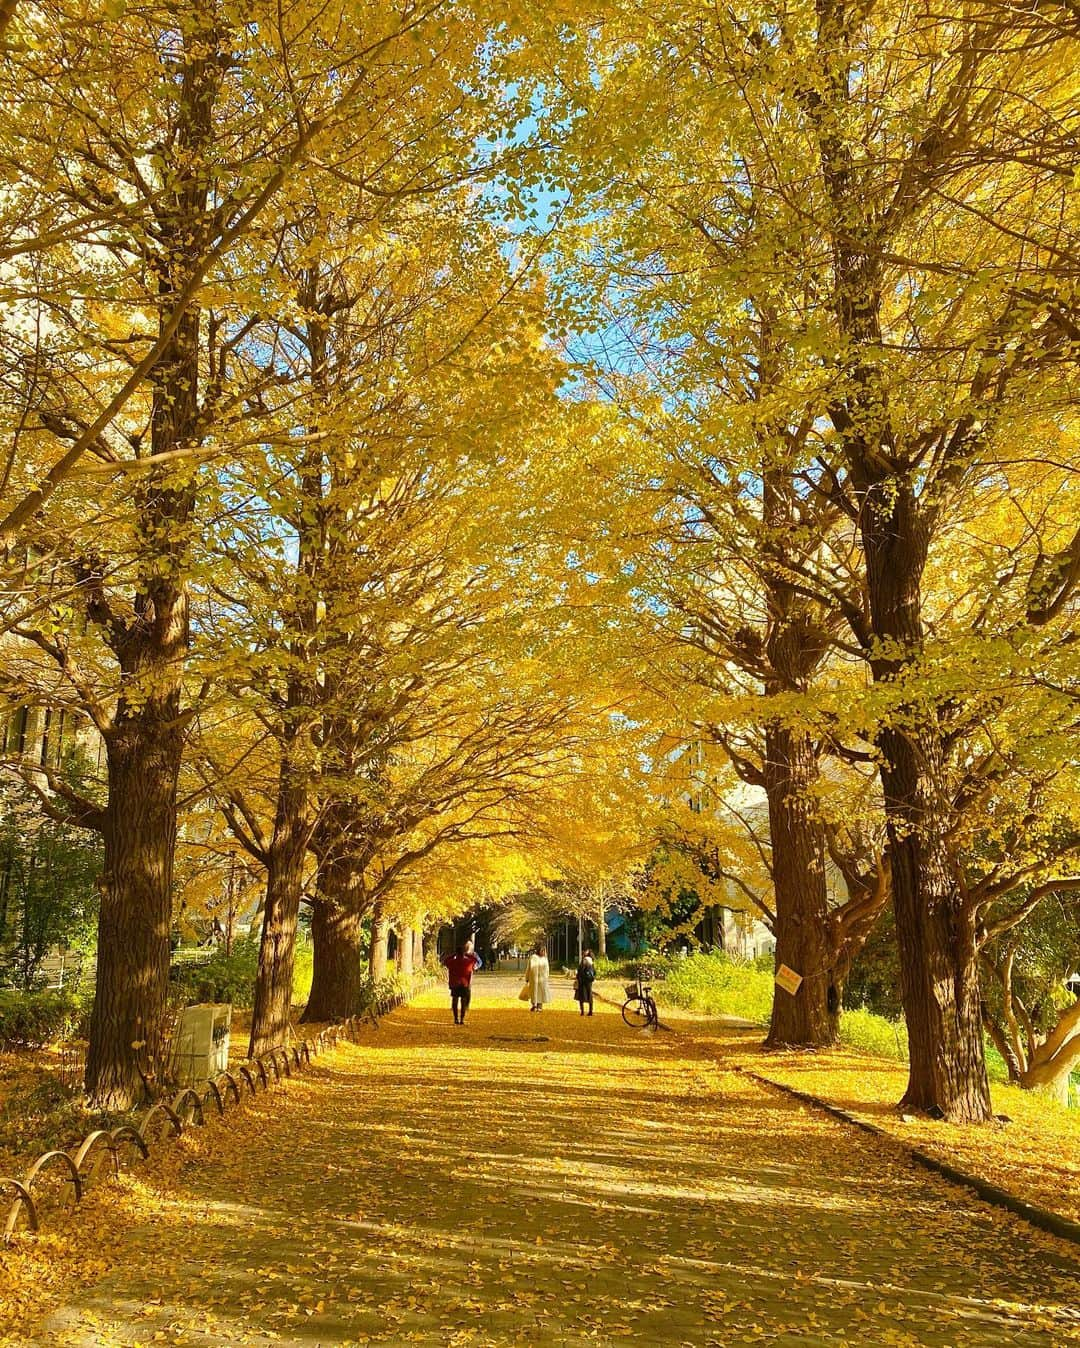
[[152, 155], [870, 204]]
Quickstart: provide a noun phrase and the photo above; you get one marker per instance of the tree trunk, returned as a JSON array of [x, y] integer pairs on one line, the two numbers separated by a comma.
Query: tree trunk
[[405, 952], [1054, 1060], [810, 1017], [338, 976], [418, 946], [935, 931], [294, 819], [127, 1021], [270, 1016], [145, 741], [601, 931], [1050, 1078], [380, 931]]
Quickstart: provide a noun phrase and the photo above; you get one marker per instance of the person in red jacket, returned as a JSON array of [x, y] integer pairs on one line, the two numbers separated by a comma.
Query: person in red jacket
[[460, 968]]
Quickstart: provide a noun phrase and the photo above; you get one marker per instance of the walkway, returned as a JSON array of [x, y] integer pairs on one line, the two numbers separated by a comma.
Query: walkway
[[551, 1180]]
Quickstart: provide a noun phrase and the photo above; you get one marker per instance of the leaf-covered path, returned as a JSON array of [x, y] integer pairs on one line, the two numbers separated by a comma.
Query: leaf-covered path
[[485, 1186]]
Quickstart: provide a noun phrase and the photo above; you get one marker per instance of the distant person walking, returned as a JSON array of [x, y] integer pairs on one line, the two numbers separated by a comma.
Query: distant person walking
[[536, 978], [583, 981], [460, 968]]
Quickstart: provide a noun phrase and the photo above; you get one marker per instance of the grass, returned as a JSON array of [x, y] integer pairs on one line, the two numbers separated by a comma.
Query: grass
[[716, 985], [1036, 1154]]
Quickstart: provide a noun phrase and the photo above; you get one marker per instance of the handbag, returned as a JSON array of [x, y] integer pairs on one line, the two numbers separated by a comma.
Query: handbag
[[525, 995]]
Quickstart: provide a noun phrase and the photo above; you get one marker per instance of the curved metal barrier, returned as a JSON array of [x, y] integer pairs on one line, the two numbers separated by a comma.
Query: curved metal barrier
[[187, 1107], [126, 1132], [188, 1096], [43, 1162], [233, 1084], [88, 1145], [162, 1107], [22, 1200], [213, 1092]]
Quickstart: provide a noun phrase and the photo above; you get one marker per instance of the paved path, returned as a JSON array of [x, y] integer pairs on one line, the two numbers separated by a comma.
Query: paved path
[[454, 1186]]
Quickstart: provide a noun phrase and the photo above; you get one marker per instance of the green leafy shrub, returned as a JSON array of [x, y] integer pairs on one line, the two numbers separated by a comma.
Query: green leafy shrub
[[866, 1032], [30, 1020], [717, 985], [377, 992], [303, 971], [224, 978], [650, 967]]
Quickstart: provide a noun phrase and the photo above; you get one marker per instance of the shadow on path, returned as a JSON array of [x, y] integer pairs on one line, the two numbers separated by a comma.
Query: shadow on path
[[474, 1186]]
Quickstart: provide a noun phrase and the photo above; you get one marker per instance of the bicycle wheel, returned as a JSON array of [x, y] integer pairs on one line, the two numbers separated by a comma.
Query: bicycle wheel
[[635, 1012], [652, 1013]]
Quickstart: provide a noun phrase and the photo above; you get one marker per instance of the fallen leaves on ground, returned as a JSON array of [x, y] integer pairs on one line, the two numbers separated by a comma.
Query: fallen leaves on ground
[[484, 1186], [1036, 1155]]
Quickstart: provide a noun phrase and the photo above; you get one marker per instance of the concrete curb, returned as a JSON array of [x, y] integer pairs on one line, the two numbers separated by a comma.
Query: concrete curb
[[1032, 1213]]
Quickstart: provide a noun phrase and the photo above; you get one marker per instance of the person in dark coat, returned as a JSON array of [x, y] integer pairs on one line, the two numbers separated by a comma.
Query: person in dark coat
[[586, 973]]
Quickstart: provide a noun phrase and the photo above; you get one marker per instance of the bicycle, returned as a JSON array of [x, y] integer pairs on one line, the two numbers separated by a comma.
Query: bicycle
[[639, 1010]]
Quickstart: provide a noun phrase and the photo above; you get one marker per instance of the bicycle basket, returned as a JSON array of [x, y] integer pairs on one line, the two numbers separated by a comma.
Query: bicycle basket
[[632, 990]]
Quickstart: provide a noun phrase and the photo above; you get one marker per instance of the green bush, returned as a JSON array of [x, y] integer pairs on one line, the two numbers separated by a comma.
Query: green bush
[[376, 992], [303, 971], [231, 978], [650, 967], [224, 978], [717, 985], [30, 1020], [866, 1032]]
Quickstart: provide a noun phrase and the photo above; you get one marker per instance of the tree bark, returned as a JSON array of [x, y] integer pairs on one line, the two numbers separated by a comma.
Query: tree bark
[[128, 1018], [810, 1017], [145, 740], [272, 1007], [601, 931], [380, 931], [1052, 1077], [418, 946], [295, 814], [405, 952], [1053, 1061], [795, 645], [935, 930], [339, 972]]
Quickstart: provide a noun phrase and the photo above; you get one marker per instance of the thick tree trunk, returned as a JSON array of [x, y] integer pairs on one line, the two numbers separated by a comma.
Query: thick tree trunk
[[127, 1022], [339, 972], [601, 931], [270, 1016], [418, 946], [810, 1017], [380, 931], [145, 742], [1054, 1060], [935, 931]]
